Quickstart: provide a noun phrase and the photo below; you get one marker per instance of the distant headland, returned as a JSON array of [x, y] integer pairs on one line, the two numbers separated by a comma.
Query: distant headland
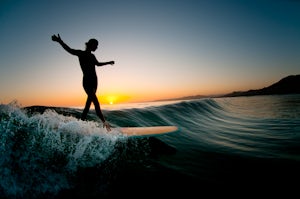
[[287, 85]]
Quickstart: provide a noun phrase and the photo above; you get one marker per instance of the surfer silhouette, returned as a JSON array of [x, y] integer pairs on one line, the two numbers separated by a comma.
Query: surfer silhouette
[[87, 62]]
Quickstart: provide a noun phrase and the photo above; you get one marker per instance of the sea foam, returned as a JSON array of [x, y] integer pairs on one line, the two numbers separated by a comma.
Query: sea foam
[[41, 152]]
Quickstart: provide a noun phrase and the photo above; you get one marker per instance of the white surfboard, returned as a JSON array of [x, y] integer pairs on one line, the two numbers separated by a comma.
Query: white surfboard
[[152, 130]]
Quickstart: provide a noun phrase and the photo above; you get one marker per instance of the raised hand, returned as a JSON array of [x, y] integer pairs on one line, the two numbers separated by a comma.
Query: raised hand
[[56, 38]]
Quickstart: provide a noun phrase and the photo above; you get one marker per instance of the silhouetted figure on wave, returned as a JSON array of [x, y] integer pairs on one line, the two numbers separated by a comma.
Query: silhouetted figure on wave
[[88, 62]]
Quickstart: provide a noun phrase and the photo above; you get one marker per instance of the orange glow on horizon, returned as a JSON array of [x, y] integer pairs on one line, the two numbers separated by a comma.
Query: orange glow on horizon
[[78, 99]]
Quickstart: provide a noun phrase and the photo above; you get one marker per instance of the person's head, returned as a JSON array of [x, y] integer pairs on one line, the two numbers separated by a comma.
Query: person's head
[[91, 45]]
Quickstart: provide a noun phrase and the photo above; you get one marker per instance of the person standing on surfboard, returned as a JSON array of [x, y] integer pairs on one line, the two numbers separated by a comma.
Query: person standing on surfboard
[[88, 62]]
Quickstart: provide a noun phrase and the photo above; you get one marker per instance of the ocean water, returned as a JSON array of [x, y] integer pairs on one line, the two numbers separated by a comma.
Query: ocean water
[[231, 147]]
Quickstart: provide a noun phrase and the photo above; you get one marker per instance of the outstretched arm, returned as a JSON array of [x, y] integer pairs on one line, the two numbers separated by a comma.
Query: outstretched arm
[[105, 63], [65, 46]]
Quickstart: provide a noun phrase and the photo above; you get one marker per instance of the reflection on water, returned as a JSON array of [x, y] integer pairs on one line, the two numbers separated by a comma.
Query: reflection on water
[[268, 106], [135, 105]]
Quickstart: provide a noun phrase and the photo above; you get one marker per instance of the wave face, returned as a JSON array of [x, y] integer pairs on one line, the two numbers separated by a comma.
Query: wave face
[[47, 152], [258, 126]]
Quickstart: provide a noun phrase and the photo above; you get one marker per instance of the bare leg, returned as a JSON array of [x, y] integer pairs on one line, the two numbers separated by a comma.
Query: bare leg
[[93, 98], [97, 107], [86, 108], [99, 112]]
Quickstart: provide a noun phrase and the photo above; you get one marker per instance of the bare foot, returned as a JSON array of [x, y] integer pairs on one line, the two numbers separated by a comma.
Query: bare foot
[[107, 126]]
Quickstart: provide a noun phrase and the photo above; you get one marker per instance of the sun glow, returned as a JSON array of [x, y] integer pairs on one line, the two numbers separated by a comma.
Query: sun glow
[[113, 99]]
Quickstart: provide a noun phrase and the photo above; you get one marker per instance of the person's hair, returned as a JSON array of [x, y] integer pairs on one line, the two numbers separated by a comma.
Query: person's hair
[[91, 42]]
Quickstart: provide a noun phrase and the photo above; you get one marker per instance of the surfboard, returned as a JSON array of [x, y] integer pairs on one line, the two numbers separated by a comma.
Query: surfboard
[[144, 131]]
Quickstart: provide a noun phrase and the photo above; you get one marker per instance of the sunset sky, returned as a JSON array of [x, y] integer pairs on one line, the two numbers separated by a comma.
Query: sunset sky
[[161, 48]]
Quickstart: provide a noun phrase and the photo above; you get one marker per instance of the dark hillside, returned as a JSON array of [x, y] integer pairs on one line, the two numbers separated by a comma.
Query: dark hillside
[[287, 85]]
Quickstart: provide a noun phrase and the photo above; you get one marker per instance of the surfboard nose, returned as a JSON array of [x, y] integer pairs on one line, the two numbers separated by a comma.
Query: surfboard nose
[[152, 130]]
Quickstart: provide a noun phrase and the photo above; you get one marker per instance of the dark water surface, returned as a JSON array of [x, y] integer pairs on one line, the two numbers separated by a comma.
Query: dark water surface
[[225, 146]]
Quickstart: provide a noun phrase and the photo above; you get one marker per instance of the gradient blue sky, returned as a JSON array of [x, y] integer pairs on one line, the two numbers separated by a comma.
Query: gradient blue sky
[[162, 48]]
